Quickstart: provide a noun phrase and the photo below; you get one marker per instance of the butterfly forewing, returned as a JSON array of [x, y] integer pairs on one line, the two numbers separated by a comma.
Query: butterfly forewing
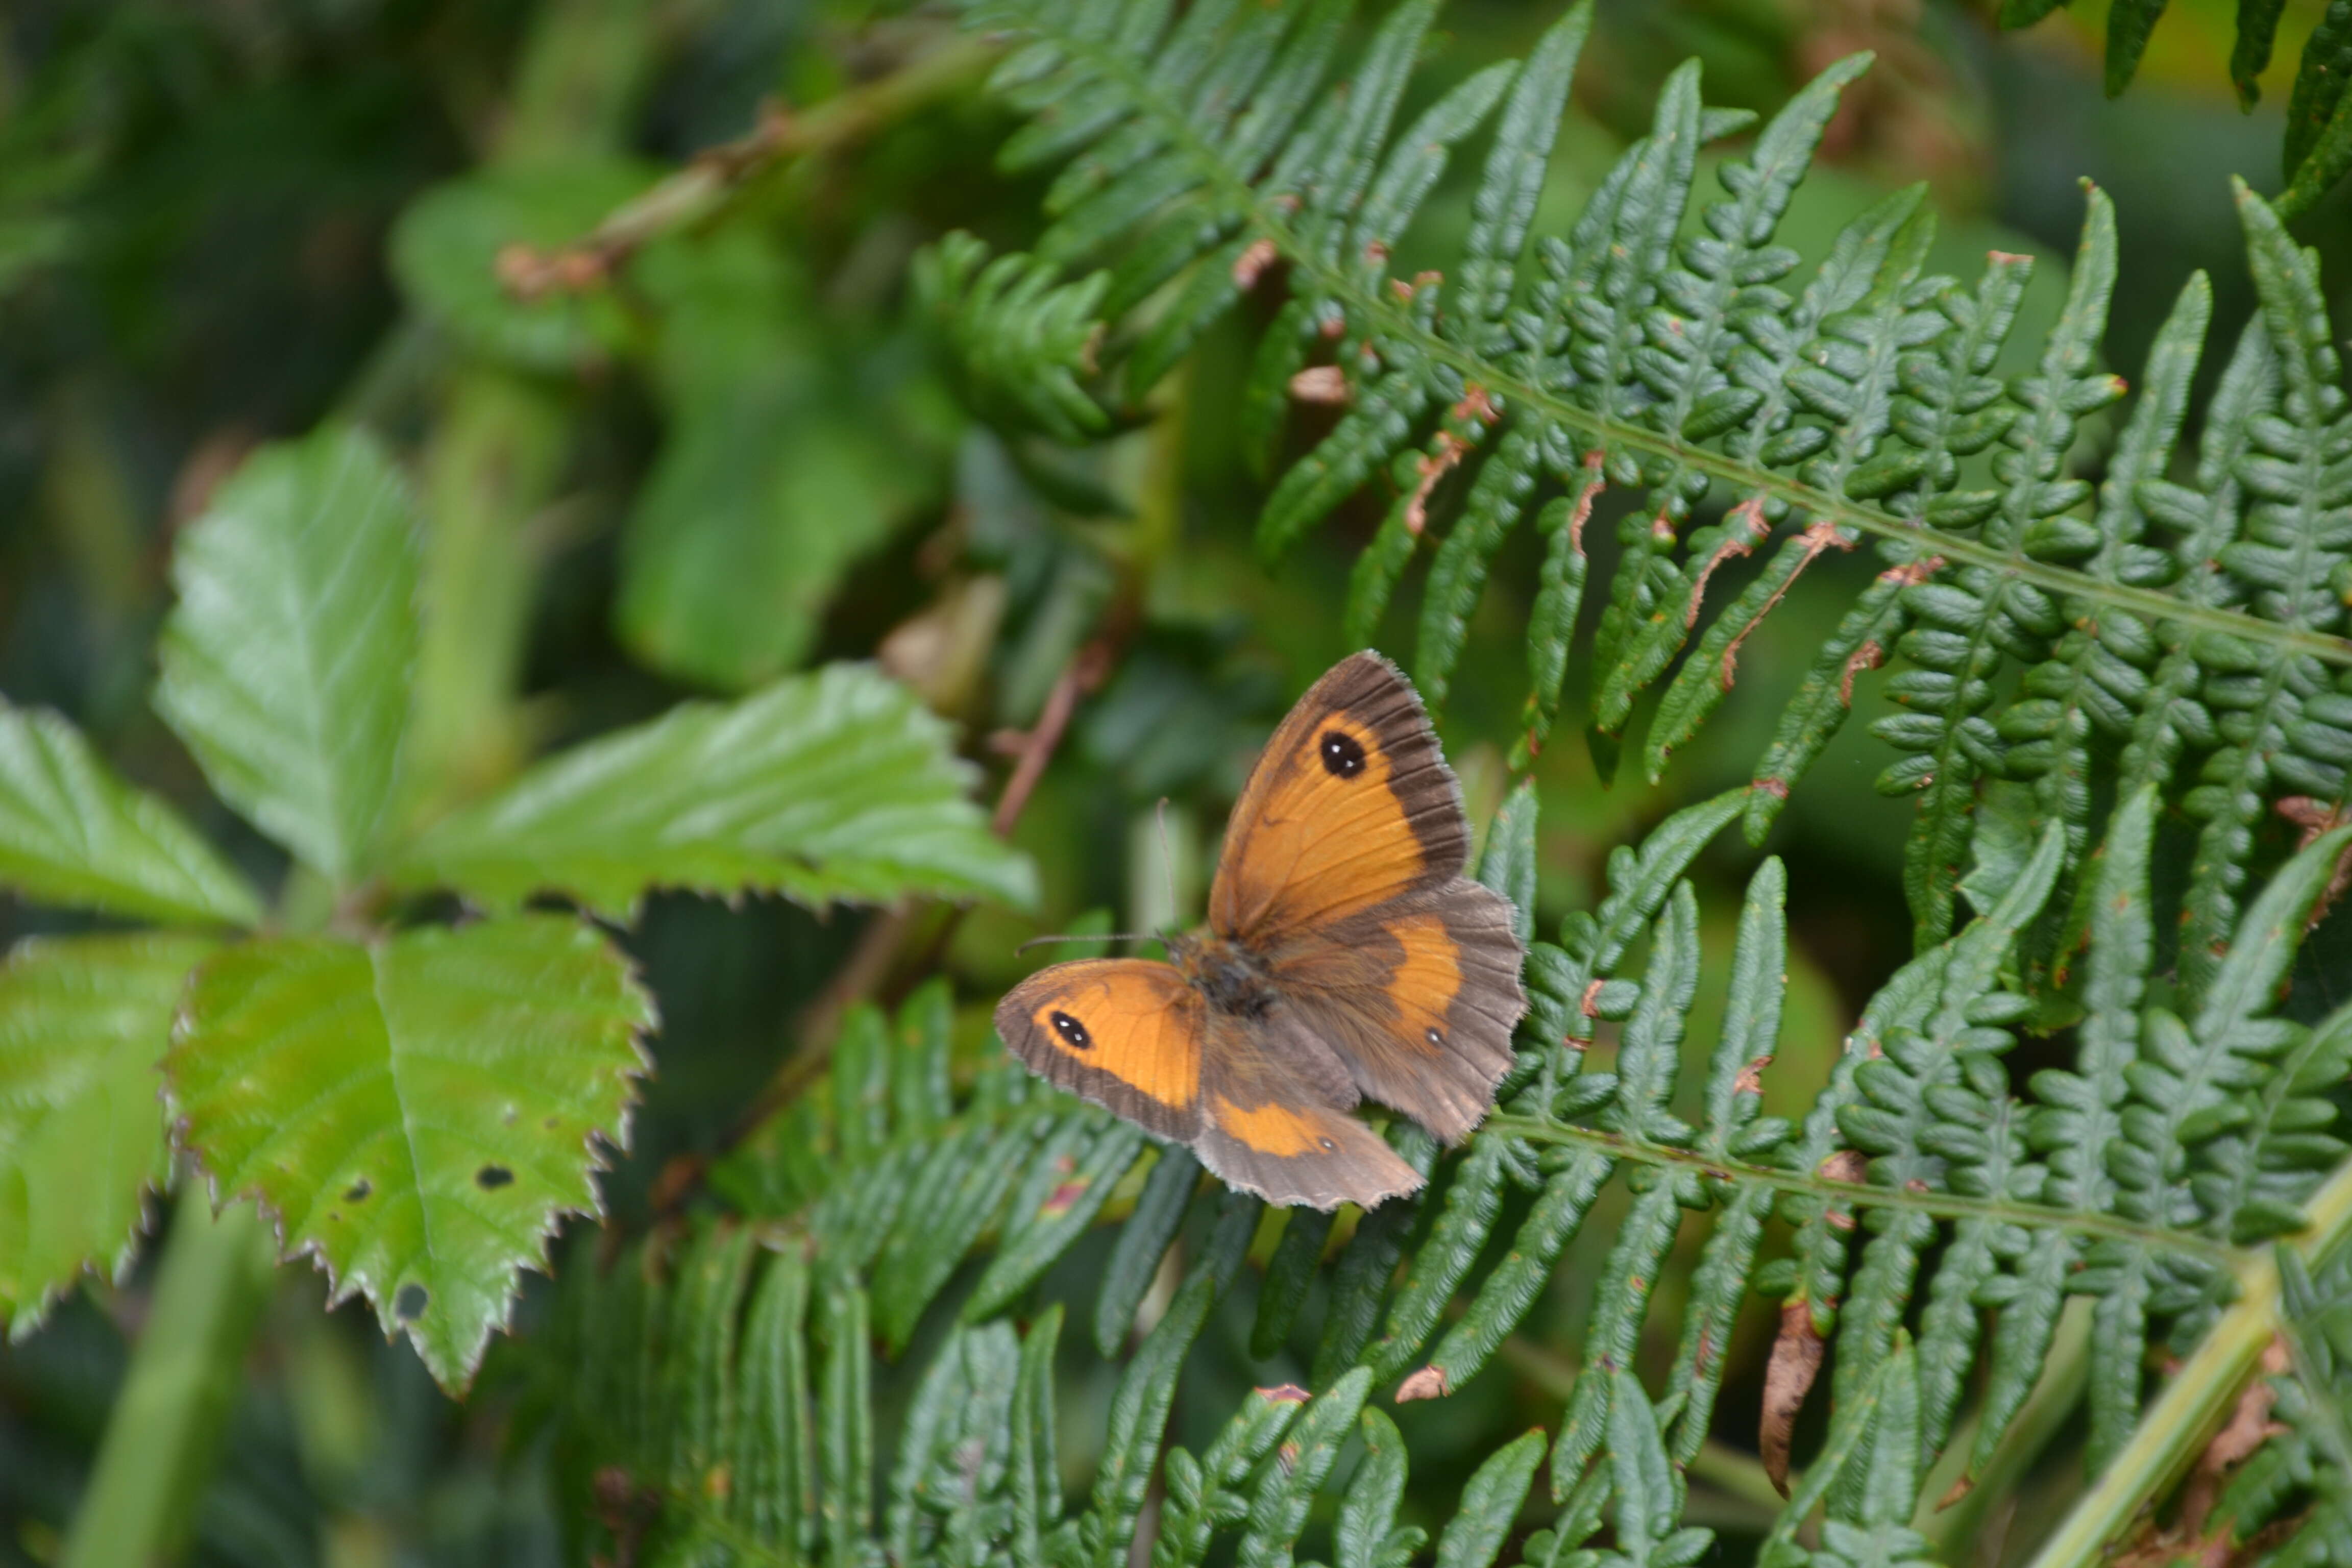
[[1352, 804], [1121, 1032]]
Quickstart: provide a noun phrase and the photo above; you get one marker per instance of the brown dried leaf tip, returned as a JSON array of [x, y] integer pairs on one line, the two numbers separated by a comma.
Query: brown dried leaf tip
[[1320, 384], [1788, 1376], [1284, 1394], [2318, 818], [1849, 1167], [1252, 263], [1429, 1383]]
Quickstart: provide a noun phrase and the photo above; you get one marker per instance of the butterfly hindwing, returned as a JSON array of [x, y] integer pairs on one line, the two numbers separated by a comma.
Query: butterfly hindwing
[[1418, 997], [1122, 1032], [1352, 804], [1274, 1122]]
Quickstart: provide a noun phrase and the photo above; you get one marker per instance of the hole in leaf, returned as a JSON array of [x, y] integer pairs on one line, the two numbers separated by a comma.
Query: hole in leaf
[[410, 1304], [358, 1192], [492, 1176]]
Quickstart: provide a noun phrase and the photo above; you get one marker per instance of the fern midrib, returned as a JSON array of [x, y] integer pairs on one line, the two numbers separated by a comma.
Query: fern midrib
[[1938, 1204], [1264, 217]]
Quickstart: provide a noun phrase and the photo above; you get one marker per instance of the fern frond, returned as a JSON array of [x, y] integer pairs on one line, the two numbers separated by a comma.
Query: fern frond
[[2058, 646], [2295, 545], [1023, 342], [1621, 361]]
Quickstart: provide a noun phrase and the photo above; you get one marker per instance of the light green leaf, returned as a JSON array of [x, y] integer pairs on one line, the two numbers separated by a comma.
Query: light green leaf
[[83, 1023], [285, 663], [455, 253], [418, 1111], [834, 785], [72, 832]]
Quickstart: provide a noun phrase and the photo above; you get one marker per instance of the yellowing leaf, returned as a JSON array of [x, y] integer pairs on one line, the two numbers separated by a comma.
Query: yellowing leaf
[[418, 1112]]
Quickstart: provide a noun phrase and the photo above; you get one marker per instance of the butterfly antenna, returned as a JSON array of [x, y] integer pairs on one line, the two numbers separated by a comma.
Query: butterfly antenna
[[1102, 936], [1167, 855]]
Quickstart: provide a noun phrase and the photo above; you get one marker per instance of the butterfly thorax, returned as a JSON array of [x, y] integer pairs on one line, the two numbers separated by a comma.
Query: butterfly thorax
[[1227, 974]]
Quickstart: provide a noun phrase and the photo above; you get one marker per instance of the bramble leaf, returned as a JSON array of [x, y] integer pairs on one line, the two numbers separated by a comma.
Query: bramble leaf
[[836, 786], [83, 1024], [774, 479], [418, 1112], [285, 663], [72, 832]]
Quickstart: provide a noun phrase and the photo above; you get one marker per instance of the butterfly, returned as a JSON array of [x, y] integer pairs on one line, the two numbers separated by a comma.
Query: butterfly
[[1345, 957]]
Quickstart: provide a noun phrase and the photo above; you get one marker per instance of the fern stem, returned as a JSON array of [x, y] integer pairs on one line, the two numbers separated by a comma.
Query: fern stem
[[2008, 563], [2177, 1428], [1941, 1204]]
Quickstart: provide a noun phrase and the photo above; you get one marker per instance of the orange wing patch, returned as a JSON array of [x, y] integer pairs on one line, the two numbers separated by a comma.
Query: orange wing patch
[[1311, 1154], [1270, 1129], [1350, 805], [1423, 986], [1121, 1032]]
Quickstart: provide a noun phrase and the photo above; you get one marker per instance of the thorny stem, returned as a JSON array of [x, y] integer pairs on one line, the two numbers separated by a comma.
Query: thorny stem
[[1378, 317], [1085, 672], [2176, 1429], [712, 177]]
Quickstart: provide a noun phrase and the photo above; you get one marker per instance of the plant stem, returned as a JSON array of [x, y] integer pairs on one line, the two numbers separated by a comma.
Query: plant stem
[[163, 1432], [493, 462], [712, 177], [2176, 1429], [499, 442]]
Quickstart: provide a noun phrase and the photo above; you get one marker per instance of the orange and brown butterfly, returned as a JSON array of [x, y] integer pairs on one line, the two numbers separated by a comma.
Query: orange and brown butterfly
[[1345, 957]]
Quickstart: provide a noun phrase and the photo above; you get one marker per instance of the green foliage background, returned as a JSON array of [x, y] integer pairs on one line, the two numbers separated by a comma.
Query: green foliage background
[[457, 457]]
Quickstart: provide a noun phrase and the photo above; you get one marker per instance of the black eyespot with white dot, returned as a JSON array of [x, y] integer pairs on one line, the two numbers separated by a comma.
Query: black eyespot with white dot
[[1343, 757], [1073, 1034], [1435, 1038]]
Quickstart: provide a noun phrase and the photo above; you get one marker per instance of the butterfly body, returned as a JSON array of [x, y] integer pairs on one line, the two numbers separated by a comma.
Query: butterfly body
[[1345, 957], [1229, 977]]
